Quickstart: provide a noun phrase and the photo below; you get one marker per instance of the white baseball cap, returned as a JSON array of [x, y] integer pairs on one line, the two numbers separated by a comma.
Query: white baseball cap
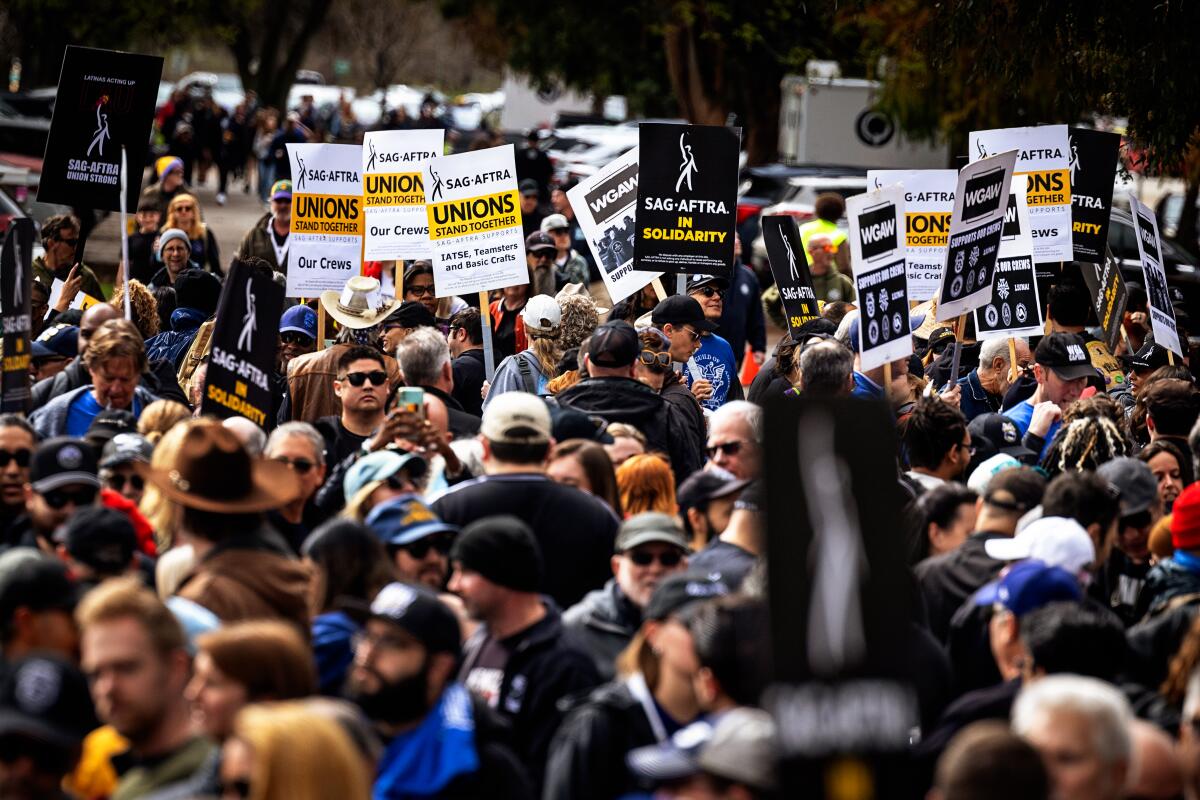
[[541, 314], [983, 474], [555, 222], [1058, 541]]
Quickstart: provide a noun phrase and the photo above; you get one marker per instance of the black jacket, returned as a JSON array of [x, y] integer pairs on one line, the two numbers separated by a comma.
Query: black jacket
[[676, 393], [544, 666], [604, 621], [463, 424], [587, 759], [1167, 586], [626, 400], [949, 579], [469, 374], [1154, 641]]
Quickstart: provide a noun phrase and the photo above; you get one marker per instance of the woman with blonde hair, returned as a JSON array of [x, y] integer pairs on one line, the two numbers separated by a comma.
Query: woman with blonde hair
[[647, 484], [286, 751], [159, 417], [532, 369], [183, 212], [155, 507], [142, 304]]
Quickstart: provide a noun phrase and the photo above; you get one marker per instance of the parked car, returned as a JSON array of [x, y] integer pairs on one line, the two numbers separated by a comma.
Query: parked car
[[1170, 212], [799, 200], [224, 87], [769, 184], [22, 134]]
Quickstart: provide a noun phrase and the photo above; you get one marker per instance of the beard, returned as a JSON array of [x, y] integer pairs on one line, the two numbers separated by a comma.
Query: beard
[[394, 702]]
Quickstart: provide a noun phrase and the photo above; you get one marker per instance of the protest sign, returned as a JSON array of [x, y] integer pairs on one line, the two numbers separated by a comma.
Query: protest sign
[[790, 270], [1109, 296], [1042, 156], [606, 206], [928, 202], [474, 214], [842, 692], [16, 289], [244, 339], [1014, 308], [326, 239], [880, 275], [1093, 166], [394, 192], [976, 225], [686, 199], [1162, 313], [105, 102]]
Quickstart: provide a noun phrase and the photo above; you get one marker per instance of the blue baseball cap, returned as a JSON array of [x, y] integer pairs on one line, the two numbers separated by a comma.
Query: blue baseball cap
[[1028, 586], [57, 340], [380, 466], [299, 319], [403, 520]]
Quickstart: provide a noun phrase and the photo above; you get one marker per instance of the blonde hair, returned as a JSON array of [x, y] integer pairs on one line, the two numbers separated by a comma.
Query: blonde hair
[[647, 484], [198, 229], [618, 430], [159, 417], [171, 568], [143, 305], [155, 507], [121, 598], [300, 754]]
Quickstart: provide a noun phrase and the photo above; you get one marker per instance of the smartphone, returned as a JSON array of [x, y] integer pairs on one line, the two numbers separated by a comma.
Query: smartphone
[[411, 399]]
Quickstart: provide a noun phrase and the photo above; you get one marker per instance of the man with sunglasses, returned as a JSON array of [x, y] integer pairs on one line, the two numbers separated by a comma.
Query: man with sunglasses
[[410, 316], [417, 541], [540, 253], [297, 334], [711, 372], [116, 465], [937, 443], [62, 479], [649, 547], [301, 447], [60, 238], [17, 442], [362, 387], [1122, 577]]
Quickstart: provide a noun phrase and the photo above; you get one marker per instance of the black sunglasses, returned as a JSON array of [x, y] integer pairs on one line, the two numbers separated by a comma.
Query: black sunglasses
[[116, 482], [668, 558], [377, 377], [21, 456], [729, 449], [72, 242], [650, 358], [421, 547], [293, 337], [398, 482], [58, 498], [709, 291], [300, 465]]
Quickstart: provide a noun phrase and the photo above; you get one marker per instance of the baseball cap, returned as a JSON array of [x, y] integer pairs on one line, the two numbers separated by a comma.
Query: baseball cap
[[405, 519], [1150, 357], [704, 486], [57, 340], [411, 314], [739, 746], [539, 240], [528, 186], [681, 310], [46, 698], [101, 538], [648, 527], [125, 448], [569, 423], [299, 319], [1000, 435], [516, 418], [1029, 585], [62, 461], [700, 281], [555, 222], [982, 475], [1024, 487], [107, 424], [379, 466], [614, 344], [1057, 541], [1066, 354], [677, 592], [281, 190], [1135, 481], [420, 614], [541, 314], [31, 579]]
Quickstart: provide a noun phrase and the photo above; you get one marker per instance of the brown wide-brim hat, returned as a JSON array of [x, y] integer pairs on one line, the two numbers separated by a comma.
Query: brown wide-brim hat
[[213, 472]]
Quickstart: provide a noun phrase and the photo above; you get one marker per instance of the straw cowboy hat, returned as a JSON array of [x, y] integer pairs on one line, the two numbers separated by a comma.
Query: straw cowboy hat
[[360, 304], [213, 472]]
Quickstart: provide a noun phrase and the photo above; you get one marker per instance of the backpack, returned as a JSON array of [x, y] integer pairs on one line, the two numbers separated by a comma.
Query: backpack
[[200, 348]]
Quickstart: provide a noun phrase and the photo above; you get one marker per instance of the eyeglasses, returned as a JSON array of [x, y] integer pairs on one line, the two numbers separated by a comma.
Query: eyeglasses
[[540, 254], [651, 358], [969, 448], [419, 291], [377, 377], [421, 547], [644, 558], [59, 498], [709, 291], [240, 788], [116, 482], [21, 456], [301, 466], [296, 338], [728, 448]]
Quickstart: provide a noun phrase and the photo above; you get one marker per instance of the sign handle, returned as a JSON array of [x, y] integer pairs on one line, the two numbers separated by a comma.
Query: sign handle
[[1170, 356], [125, 236], [1012, 360], [320, 327], [659, 291], [485, 322], [887, 378], [681, 284]]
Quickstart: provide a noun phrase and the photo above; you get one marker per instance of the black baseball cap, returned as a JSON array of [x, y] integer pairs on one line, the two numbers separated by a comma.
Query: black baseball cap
[[700, 281], [674, 594], [704, 486], [569, 423], [101, 538], [63, 461], [539, 240], [614, 344], [31, 579], [46, 698], [1149, 358], [420, 614], [999, 435], [126, 448], [681, 310], [411, 314], [1066, 354], [528, 186], [109, 423]]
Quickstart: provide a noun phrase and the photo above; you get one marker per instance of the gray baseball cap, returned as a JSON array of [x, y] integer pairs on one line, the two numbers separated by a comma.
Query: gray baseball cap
[[125, 448], [738, 746], [650, 526], [1135, 482]]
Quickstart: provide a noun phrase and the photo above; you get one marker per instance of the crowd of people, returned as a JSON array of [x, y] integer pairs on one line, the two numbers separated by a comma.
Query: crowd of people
[[416, 581]]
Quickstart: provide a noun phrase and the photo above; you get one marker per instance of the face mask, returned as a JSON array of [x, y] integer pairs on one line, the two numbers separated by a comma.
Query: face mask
[[397, 702]]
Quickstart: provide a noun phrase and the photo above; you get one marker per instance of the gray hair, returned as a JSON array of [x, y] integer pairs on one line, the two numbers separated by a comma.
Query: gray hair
[[993, 349], [825, 369], [250, 435], [422, 354], [747, 412], [1108, 712], [302, 429]]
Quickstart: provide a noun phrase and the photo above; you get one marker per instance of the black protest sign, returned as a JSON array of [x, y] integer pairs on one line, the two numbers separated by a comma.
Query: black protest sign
[[838, 592], [105, 101], [1014, 309], [687, 199], [883, 307], [16, 286], [243, 347], [1093, 167], [1109, 296], [789, 267]]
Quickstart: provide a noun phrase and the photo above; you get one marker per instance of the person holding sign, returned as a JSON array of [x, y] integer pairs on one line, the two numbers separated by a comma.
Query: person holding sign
[[1061, 368], [60, 240]]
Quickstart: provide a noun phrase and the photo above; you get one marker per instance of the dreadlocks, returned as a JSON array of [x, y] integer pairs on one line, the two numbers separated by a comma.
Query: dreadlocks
[[1084, 443]]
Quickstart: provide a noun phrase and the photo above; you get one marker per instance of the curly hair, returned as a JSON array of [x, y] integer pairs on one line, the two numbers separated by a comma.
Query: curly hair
[[1084, 443], [579, 320], [144, 306]]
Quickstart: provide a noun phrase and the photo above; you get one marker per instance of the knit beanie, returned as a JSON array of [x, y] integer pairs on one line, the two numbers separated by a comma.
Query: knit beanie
[[168, 235], [1185, 519], [195, 288], [501, 549]]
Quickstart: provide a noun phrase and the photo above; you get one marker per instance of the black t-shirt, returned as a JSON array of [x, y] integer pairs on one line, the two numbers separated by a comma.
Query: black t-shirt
[[504, 338], [469, 374], [485, 675], [339, 442]]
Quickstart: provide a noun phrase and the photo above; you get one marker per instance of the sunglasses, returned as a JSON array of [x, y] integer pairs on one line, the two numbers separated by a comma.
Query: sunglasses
[[692, 333], [650, 358], [116, 482], [419, 291], [301, 466], [828, 248], [59, 498], [399, 483], [69, 242], [709, 291], [185, 208], [21, 456], [669, 558], [421, 547], [729, 449], [377, 377], [292, 337]]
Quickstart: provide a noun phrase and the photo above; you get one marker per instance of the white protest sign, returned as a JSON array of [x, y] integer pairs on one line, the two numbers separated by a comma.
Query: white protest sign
[[325, 243], [1162, 313], [928, 202], [1043, 156], [474, 214], [976, 226], [606, 206], [1015, 308], [877, 258], [394, 192]]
